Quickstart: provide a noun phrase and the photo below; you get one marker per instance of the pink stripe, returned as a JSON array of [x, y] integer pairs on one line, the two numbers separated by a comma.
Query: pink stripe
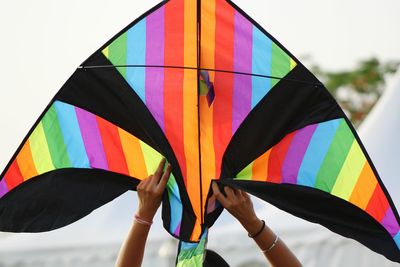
[[155, 56], [390, 223], [92, 139], [295, 154], [3, 187], [243, 44]]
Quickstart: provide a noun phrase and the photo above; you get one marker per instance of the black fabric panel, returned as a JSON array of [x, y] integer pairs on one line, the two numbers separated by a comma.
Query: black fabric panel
[[59, 198], [104, 92], [330, 211], [289, 106]]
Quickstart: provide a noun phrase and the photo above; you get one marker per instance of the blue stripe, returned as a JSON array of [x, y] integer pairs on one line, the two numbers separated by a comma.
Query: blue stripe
[[136, 55], [175, 203], [397, 239], [262, 60], [72, 134], [316, 152]]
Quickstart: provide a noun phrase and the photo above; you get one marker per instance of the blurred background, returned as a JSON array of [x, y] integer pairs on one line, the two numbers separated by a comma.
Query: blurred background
[[352, 47]]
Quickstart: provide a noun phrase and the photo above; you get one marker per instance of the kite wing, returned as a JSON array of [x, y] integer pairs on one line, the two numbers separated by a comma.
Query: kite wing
[[200, 83]]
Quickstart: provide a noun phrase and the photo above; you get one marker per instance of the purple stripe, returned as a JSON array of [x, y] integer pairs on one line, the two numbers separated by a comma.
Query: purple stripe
[[178, 230], [390, 223], [242, 91], [3, 187], [92, 139], [155, 56], [295, 154]]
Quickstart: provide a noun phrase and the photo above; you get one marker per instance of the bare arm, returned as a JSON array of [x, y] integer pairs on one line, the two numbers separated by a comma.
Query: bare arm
[[150, 193], [239, 204]]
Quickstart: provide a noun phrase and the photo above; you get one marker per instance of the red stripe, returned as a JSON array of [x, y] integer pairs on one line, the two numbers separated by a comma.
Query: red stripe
[[378, 204], [13, 176], [173, 80], [277, 157], [112, 146], [223, 82]]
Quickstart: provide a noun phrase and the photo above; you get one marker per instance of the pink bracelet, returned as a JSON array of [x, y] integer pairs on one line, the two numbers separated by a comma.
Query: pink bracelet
[[141, 221]]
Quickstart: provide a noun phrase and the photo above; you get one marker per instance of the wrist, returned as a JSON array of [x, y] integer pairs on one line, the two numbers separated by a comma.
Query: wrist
[[145, 215], [252, 225]]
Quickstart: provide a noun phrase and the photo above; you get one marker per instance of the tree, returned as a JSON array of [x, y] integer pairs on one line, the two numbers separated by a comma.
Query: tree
[[359, 89]]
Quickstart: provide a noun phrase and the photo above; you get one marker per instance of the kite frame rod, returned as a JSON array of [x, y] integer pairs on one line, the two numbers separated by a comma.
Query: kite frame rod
[[198, 69]]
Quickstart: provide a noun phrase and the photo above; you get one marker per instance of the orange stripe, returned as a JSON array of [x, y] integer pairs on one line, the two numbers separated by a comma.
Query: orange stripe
[[208, 34], [13, 176], [25, 162], [133, 155], [207, 147], [364, 188], [190, 115], [173, 80], [260, 167], [112, 146], [223, 81], [378, 204]]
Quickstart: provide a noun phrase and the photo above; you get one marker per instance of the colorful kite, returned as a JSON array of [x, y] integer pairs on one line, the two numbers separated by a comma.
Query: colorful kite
[[202, 84]]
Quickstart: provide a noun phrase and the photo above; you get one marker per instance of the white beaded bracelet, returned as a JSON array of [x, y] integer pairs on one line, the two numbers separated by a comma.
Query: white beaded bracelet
[[272, 246]]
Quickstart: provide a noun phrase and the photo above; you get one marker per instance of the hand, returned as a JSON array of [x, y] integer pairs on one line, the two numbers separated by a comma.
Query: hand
[[238, 203], [150, 191]]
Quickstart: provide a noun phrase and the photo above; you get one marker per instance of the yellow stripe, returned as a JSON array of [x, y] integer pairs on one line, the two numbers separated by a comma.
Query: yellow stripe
[[208, 34], [246, 173], [293, 64], [349, 173], [133, 155], [40, 150], [25, 162], [190, 122], [105, 52], [151, 157]]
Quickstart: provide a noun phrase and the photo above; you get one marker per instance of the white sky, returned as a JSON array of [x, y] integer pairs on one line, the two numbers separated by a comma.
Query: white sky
[[43, 41]]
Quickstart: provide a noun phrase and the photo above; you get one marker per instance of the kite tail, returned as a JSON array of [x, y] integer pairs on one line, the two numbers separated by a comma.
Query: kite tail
[[192, 254]]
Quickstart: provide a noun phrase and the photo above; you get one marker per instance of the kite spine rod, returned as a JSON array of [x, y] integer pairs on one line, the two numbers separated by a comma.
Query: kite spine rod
[[199, 69]]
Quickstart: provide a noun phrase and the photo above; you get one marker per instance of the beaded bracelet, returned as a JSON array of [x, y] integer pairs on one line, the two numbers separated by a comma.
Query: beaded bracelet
[[272, 246], [141, 221], [259, 232]]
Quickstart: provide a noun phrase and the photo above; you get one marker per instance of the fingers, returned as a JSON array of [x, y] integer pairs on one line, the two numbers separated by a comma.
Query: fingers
[[164, 179], [160, 169], [218, 195], [230, 193]]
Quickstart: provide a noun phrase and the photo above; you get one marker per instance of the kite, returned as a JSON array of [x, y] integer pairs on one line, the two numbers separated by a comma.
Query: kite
[[203, 85]]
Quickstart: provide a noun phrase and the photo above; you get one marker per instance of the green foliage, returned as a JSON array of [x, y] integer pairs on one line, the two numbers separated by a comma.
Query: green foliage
[[362, 86], [367, 77]]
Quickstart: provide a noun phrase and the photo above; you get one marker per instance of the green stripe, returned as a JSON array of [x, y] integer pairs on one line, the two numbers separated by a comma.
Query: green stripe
[[151, 157], [280, 63], [246, 173], [335, 158], [54, 137], [40, 150], [350, 172], [117, 53]]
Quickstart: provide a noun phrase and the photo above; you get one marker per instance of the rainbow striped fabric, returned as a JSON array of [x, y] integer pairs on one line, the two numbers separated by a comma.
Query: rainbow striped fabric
[[326, 156], [200, 83], [168, 37], [70, 137]]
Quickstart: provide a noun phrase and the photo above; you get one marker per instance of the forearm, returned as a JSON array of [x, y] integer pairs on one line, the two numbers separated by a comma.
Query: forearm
[[280, 255], [132, 250]]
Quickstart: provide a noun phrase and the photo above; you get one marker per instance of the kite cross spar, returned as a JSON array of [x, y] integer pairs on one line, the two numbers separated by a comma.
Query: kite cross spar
[[203, 85]]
